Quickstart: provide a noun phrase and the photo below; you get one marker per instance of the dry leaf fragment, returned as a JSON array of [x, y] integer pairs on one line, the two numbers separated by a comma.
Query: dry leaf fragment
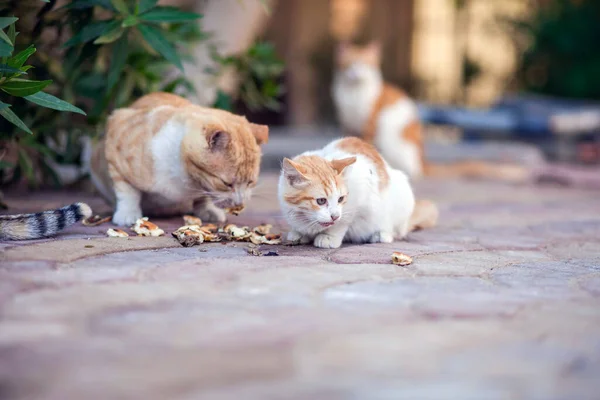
[[263, 229], [254, 251], [143, 227], [95, 220], [191, 220], [401, 259], [115, 232]]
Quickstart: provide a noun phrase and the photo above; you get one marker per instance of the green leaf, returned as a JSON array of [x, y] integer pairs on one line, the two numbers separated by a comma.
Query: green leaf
[[6, 69], [26, 165], [45, 1], [120, 6], [6, 21], [145, 5], [5, 49], [23, 87], [158, 42], [83, 4], [3, 105], [49, 101], [120, 52], [168, 14], [5, 37], [13, 119], [89, 32], [12, 33], [114, 31], [20, 59], [130, 21]]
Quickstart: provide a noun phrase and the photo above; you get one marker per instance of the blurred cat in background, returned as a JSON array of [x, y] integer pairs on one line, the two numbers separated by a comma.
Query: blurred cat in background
[[386, 116]]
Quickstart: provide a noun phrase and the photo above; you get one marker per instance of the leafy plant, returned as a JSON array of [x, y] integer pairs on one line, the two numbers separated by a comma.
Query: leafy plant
[[562, 56], [13, 70], [259, 71], [106, 53]]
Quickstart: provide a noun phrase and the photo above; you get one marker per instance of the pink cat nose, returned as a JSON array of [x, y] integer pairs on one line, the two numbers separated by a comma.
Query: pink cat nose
[[335, 217]]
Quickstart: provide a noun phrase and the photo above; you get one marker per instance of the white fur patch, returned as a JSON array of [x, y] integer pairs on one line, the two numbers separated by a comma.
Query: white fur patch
[[354, 99], [399, 153], [170, 178]]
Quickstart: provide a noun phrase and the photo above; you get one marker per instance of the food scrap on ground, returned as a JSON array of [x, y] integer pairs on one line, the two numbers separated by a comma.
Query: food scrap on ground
[[143, 227], [95, 220], [189, 235], [191, 220], [115, 232], [401, 259], [237, 210]]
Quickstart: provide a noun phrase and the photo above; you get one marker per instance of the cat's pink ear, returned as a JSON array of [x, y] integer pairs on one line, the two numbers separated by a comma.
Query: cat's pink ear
[[341, 164], [217, 140], [294, 173], [260, 132]]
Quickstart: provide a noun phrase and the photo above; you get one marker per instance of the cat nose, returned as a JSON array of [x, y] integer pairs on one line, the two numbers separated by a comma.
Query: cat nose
[[335, 217]]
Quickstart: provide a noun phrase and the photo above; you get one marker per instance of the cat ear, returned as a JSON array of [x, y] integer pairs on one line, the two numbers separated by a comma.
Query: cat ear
[[217, 140], [260, 132], [339, 165], [294, 173]]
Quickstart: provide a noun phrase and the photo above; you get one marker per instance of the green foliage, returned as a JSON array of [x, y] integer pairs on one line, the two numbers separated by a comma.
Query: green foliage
[[563, 55], [98, 55], [259, 70], [12, 70], [108, 52]]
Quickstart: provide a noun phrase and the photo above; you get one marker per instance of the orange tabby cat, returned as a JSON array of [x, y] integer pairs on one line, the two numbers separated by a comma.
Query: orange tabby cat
[[385, 116], [165, 154]]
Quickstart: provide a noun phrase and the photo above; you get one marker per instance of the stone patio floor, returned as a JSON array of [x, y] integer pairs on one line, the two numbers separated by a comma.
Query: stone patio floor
[[501, 302]]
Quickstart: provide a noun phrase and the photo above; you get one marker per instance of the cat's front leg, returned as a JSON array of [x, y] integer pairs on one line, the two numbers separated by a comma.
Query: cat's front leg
[[331, 238], [298, 238], [382, 237], [207, 211], [128, 209]]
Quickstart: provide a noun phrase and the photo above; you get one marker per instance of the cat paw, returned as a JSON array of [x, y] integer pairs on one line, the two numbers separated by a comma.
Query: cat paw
[[212, 214], [294, 237], [381, 237], [327, 241], [126, 217]]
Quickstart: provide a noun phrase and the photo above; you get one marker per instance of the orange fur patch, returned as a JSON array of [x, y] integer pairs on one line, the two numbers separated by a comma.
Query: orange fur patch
[[354, 145]]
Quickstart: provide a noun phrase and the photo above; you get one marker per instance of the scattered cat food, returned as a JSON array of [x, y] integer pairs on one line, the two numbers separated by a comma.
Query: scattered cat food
[[95, 220], [237, 210], [116, 232], [189, 236], [191, 220], [401, 259], [265, 239], [263, 229], [229, 233], [237, 233], [143, 227]]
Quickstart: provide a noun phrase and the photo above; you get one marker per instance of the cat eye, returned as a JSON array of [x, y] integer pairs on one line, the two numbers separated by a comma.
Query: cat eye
[[321, 201], [229, 185], [341, 199]]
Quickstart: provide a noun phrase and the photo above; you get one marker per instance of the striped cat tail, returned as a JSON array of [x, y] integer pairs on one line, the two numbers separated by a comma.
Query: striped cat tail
[[42, 224]]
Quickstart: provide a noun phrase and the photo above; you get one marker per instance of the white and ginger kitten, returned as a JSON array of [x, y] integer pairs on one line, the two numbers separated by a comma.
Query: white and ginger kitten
[[344, 192], [384, 115]]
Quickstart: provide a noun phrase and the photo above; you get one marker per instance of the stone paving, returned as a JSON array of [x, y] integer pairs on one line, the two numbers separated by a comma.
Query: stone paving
[[501, 302]]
